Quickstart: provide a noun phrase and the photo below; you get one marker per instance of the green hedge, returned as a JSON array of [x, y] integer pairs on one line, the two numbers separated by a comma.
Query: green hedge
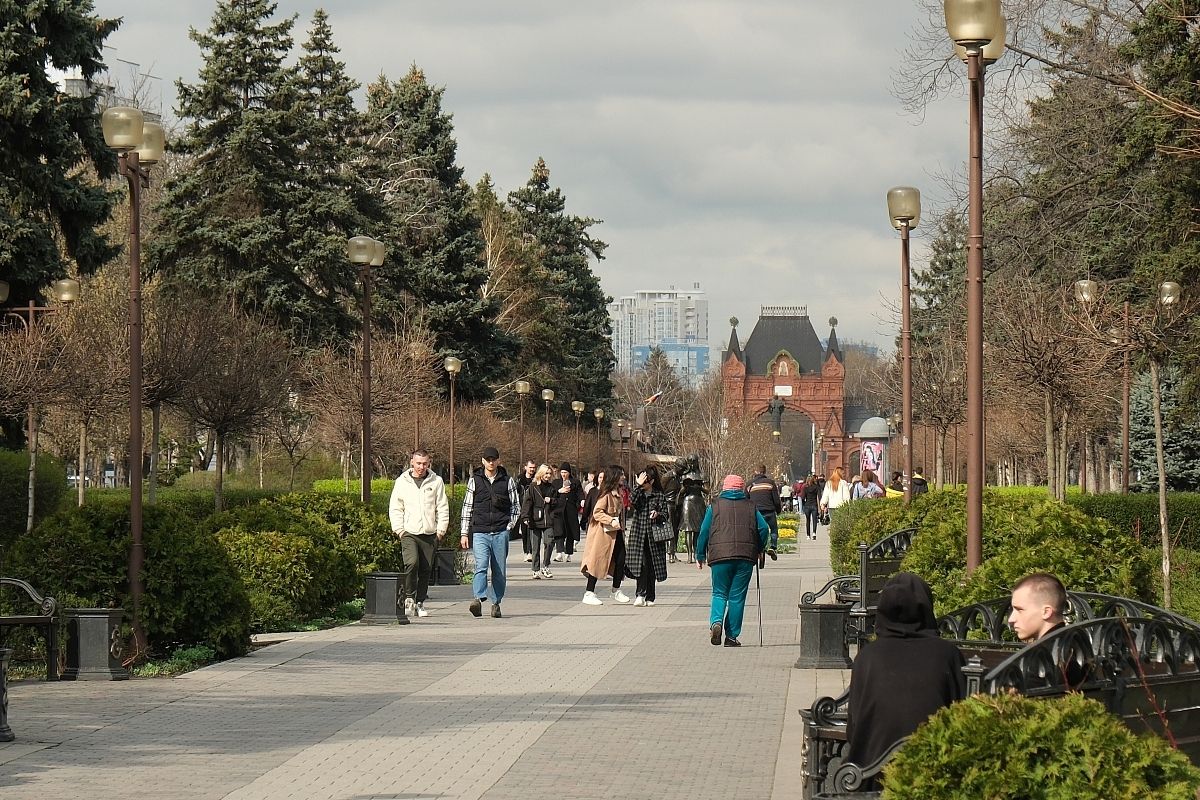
[[381, 493], [49, 489], [868, 521], [1011, 747], [363, 534], [193, 594], [1137, 515], [291, 562], [195, 503]]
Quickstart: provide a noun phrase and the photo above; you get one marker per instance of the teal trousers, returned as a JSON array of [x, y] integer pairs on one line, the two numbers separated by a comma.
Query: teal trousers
[[730, 583]]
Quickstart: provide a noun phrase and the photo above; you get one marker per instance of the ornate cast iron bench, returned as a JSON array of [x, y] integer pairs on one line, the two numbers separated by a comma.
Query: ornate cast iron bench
[[1141, 661], [44, 621]]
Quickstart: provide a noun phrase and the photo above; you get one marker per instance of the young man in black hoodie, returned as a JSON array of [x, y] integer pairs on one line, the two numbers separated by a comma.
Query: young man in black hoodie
[[489, 513], [764, 493]]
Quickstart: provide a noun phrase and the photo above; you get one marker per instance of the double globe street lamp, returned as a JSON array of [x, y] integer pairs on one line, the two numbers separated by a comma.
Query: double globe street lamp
[[548, 396], [365, 253], [523, 392], [578, 407], [904, 208], [599, 415], [138, 144], [453, 367]]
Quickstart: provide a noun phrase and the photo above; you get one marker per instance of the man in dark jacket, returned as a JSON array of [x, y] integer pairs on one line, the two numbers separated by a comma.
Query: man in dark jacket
[[903, 676], [919, 484], [489, 513], [763, 491], [564, 512], [732, 537]]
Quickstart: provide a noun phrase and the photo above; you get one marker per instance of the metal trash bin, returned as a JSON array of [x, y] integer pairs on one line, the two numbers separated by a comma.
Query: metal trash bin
[[823, 636], [94, 645], [384, 603]]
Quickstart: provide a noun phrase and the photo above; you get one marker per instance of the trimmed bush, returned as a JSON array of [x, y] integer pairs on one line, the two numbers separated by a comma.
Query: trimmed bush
[[866, 521], [1022, 535], [381, 490], [193, 595], [362, 533], [1137, 515], [1185, 580], [49, 488], [1011, 747]]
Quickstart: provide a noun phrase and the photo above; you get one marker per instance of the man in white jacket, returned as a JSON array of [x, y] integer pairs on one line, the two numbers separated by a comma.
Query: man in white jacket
[[420, 514]]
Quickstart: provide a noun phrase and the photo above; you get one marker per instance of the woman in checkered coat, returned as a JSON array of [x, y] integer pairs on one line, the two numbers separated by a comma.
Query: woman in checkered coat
[[646, 559]]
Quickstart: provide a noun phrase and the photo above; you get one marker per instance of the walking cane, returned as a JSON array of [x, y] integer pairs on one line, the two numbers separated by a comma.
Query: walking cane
[[758, 585]]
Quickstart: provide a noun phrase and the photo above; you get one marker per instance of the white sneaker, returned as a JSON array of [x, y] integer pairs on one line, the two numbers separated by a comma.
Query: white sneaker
[[568, 558], [649, 602], [421, 612], [410, 607], [559, 557], [537, 574], [529, 556], [590, 599], [639, 601], [547, 574], [619, 596]]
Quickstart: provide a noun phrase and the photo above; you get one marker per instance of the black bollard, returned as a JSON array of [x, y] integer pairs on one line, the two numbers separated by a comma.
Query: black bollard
[[94, 645], [385, 601], [823, 636]]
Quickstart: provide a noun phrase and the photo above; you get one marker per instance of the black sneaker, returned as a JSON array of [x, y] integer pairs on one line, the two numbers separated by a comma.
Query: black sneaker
[[496, 611], [772, 554], [476, 607], [732, 642], [716, 631]]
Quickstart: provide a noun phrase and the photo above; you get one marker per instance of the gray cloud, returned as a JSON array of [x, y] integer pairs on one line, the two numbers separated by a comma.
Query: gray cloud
[[744, 144]]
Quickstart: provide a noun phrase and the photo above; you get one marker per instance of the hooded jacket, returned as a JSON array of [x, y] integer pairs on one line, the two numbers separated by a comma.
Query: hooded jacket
[[903, 676], [419, 507]]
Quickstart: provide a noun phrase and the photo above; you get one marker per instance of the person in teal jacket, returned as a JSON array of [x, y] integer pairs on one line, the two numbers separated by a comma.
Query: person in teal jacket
[[733, 537]]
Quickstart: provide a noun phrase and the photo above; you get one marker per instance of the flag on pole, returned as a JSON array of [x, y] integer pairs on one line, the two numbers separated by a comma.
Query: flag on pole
[[653, 398]]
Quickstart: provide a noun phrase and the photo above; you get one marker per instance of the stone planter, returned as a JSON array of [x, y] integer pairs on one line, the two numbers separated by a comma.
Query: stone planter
[[6, 734], [94, 645], [384, 603], [823, 636]]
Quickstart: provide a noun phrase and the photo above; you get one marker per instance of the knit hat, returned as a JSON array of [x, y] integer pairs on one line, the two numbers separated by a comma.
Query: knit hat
[[732, 482], [565, 467]]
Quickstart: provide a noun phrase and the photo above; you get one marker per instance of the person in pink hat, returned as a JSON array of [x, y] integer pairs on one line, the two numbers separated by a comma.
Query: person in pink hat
[[733, 536]]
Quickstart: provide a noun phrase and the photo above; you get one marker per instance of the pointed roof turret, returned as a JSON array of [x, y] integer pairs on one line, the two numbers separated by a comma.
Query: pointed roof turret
[[832, 348], [735, 348]]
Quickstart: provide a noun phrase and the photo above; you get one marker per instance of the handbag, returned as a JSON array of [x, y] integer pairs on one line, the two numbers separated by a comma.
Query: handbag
[[537, 515], [660, 531]]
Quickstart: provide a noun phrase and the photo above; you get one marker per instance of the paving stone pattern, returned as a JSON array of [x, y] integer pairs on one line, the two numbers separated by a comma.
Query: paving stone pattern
[[556, 700]]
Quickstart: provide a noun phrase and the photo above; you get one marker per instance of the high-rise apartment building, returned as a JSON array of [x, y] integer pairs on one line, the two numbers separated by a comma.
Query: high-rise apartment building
[[675, 321]]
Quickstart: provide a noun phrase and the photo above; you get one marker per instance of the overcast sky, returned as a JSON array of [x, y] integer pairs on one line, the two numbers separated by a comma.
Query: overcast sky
[[747, 145]]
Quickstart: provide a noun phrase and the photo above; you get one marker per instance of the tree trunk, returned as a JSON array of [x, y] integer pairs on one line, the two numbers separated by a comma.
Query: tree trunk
[[1163, 530], [80, 477], [261, 443], [346, 459], [219, 482], [291, 476], [1063, 469], [155, 434], [940, 457], [1051, 452], [33, 448]]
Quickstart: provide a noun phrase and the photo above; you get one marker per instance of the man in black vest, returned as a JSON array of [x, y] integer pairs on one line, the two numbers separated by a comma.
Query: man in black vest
[[733, 536], [489, 513]]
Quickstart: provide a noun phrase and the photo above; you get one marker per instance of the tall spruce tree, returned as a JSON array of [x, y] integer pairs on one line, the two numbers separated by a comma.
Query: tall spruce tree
[[939, 290], [566, 249], [227, 221], [436, 246], [1181, 435], [50, 201]]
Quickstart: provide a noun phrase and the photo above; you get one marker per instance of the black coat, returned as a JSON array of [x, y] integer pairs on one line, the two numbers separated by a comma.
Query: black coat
[[565, 509], [903, 676], [535, 494], [639, 533]]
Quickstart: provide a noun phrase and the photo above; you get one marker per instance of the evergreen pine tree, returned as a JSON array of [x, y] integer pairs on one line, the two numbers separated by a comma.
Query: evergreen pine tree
[[48, 201], [437, 250], [226, 225], [566, 249], [938, 290], [1181, 436]]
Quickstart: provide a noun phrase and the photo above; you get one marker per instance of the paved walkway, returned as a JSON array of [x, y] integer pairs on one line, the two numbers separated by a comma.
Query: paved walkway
[[557, 700]]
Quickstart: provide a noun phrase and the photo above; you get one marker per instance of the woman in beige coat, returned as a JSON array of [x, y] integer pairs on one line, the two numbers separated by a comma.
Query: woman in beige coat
[[604, 553]]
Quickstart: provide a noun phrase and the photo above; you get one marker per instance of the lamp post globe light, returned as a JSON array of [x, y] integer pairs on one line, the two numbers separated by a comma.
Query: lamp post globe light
[[548, 396], [453, 367], [599, 415], [365, 253], [904, 209], [578, 407], [1087, 291], [1169, 294], [523, 392], [974, 24], [138, 144]]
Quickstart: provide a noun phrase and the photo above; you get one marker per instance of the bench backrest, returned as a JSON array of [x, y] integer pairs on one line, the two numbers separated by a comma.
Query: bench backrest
[[876, 564], [27, 595]]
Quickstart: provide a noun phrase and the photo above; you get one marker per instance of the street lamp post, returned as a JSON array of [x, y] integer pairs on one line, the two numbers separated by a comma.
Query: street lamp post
[[1087, 291], [973, 25], [904, 207], [577, 406], [523, 390], [1169, 293], [136, 143], [599, 415], [365, 253], [548, 396], [453, 366]]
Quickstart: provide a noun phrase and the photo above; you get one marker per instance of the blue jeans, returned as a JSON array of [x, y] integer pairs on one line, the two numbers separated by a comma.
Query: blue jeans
[[730, 583], [773, 524], [490, 548]]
